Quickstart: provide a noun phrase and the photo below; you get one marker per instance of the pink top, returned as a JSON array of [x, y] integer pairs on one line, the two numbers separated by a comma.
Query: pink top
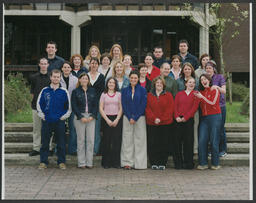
[[111, 103], [143, 84]]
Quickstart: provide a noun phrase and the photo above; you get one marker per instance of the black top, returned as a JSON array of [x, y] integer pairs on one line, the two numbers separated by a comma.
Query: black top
[[159, 62], [66, 79], [191, 59], [38, 82]]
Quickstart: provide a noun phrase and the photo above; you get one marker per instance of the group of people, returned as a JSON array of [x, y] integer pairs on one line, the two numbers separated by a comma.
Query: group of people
[[129, 115]]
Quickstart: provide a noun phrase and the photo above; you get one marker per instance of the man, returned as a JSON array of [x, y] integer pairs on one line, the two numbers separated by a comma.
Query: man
[[53, 106], [185, 55], [158, 56], [55, 62], [39, 80]]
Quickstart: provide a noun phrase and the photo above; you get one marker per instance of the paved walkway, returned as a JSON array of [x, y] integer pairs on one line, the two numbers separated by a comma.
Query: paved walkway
[[27, 182]]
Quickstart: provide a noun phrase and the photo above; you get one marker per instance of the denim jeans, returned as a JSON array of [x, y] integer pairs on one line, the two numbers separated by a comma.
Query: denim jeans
[[58, 128], [97, 134], [223, 139], [72, 143], [209, 130]]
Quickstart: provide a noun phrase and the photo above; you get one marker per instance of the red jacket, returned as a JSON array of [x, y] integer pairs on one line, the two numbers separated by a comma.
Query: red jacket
[[161, 107], [185, 105], [154, 73], [212, 105]]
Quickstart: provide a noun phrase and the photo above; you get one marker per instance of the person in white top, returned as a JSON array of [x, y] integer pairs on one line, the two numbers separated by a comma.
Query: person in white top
[[93, 52], [127, 61], [176, 67], [104, 68], [116, 54]]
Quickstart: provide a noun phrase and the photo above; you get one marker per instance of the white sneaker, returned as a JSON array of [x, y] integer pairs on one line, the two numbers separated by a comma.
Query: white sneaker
[[199, 167], [215, 167]]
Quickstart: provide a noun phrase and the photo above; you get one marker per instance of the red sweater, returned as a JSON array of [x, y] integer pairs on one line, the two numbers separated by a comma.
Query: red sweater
[[185, 105], [154, 73], [161, 107], [211, 105]]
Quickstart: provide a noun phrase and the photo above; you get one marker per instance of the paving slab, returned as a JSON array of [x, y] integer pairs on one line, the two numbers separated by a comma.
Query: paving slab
[[27, 182]]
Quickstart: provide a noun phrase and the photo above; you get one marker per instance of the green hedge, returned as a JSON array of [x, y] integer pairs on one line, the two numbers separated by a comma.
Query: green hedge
[[239, 92], [17, 95]]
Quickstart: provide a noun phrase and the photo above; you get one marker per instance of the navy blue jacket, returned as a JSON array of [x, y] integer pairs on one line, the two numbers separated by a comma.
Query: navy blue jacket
[[78, 102], [159, 62], [53, 105], [191, 59], [134, 108], [55, 63], [82, 70]]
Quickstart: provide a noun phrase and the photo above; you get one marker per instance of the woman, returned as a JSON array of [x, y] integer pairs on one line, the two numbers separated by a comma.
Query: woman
[[186, 104], [159, 116], [119, 75], [187, 71], [153, 71], [104, 68], [201, 70], [116, 54], [111, 112], [69, 82], [176, 67], [210, 124], [144, 81], [84, 105], [171, 84], [76, 61], [97, 82], [219, 83], [94, 52], [127, 61], [134, 143]]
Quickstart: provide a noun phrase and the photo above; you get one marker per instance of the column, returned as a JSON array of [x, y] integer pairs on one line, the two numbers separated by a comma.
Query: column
[[75, 39], [203, 40]]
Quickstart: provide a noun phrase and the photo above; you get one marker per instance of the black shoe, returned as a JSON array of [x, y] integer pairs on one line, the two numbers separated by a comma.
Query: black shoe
[[51, 153], [106, 167], [34, 153], [118, 167]]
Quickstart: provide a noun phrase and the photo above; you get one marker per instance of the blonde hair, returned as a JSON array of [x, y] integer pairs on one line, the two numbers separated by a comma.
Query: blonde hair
[[121, 51], [88, 57], [159, 78], [114, 69], [127, 55]]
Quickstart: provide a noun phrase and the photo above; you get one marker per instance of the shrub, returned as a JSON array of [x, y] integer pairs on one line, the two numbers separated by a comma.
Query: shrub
[[239, 92], [244, 109], [17, 95]]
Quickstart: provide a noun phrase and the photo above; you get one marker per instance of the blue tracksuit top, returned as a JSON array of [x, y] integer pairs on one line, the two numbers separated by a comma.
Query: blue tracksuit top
[[134, 108], [53, 105]]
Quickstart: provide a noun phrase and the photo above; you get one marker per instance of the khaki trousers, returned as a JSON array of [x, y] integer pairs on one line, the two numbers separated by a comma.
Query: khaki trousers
[[196, 123], [134, 144], [85, 131], [37, 125]]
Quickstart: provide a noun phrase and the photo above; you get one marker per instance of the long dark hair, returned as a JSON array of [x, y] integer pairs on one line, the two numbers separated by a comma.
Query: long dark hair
[[201, 87], [116, 85]]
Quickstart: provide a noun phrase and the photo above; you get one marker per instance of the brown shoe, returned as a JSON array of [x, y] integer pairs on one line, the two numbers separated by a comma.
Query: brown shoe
[[42, 166], [62, 166]]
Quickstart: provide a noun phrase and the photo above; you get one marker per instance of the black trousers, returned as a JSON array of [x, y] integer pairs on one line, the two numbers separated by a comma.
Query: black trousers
[[111, 143], [158, 148], [183, 144]]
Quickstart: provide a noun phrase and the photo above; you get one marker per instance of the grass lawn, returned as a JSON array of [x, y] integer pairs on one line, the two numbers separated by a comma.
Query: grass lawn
[[233, 113], [20, 116]]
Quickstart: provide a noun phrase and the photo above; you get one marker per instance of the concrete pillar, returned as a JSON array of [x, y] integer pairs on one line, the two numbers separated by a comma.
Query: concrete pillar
[[75, 40], [75, 21], [203, 40]]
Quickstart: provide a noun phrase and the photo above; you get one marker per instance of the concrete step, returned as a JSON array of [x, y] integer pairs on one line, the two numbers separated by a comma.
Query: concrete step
[[24, 159], [18, 127], [17, 147], [237, 148], [18, 137], [28, 127], [239, 137], [237, 127]]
